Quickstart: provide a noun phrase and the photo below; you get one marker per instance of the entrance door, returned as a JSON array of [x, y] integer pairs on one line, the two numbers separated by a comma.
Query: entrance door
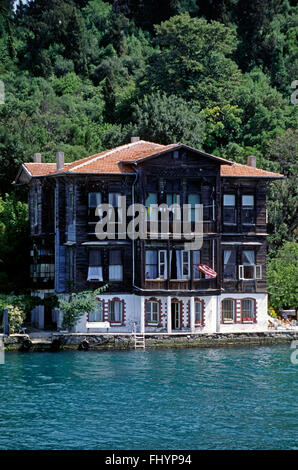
[[176, 315]]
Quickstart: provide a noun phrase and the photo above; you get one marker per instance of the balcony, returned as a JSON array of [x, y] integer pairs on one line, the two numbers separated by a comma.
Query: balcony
[[180, 284]]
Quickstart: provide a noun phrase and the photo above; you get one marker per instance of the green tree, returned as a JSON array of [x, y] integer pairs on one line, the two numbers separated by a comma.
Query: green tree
[[166, 119], [282, 272], [282, 202], [194, 60]]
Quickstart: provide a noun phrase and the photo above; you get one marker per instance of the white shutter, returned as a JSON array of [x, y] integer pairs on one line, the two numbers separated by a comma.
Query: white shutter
[[241, 272], [258, 273]]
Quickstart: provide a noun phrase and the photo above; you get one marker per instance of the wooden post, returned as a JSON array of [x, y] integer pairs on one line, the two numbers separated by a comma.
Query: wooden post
[[192, 314], [5, 322], [169, 311]]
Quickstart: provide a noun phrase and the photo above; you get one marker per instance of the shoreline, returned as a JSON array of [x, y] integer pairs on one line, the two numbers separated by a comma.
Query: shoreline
[[123, 341]]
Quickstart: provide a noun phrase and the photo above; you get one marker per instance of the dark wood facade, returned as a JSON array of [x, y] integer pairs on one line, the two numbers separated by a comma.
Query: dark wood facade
[[63, 227]]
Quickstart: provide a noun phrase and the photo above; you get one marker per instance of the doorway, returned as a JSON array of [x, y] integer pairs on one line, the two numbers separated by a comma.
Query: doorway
[[176, 315]]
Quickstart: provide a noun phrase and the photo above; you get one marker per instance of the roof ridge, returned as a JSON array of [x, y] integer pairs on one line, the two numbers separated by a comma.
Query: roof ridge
[[107, 153]]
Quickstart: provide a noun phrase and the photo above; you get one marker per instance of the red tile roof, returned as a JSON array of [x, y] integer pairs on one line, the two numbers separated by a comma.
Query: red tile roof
[[247, 171], [114, 161]]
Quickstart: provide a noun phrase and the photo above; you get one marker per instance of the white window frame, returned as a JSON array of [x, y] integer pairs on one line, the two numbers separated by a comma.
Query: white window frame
[[234, 311], [99, 309], [257, 272], [151, 313], [162, 264], [119, 322], [185, 276], [199, 322]]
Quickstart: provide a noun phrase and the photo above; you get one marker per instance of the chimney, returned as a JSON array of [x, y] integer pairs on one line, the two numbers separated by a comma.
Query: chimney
[[134, 139], [60, 160], [37, 158], [252, 161]]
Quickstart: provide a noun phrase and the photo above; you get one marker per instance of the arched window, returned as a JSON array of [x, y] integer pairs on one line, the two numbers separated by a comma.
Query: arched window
[[228, 307], [116, 311], [248, 310], [152, 312], [97, 315], [198, 312]]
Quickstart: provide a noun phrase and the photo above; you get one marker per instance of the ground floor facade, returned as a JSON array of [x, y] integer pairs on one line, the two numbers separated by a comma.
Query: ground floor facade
[[124, 313]]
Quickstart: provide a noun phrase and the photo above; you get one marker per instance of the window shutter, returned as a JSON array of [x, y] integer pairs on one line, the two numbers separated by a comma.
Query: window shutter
[[258, 272], [241, 272]]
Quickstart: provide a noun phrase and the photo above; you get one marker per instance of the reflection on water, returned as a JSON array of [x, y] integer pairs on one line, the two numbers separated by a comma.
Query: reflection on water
[[236, 398]]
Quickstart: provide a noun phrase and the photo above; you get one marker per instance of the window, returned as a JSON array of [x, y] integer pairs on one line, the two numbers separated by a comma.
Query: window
[[115, 311], [248, 269], [151, 264], [44, 271], [152, 312], [94, 200], [185, 264], [97, 315], [115, 266], [114, 201], [95, 266], [248, 310], [156, 264], [228, 310], [151, 211], [196, 259], [193, 199], [35, 207], [71, 264], [248, 209], [229, 211], [229, 264], [198, 312]]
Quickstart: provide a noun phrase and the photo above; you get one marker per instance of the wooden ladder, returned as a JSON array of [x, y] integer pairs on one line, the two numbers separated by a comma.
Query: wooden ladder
[[139, 339]]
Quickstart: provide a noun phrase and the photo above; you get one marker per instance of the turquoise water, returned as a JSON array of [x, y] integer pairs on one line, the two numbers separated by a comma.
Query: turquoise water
[[237, 398]]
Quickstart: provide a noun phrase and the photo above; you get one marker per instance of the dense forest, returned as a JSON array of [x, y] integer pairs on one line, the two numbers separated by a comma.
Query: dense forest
[[81, 76]]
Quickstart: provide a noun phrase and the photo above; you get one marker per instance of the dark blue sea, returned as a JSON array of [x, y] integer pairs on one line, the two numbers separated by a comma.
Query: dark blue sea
[[225, 398]]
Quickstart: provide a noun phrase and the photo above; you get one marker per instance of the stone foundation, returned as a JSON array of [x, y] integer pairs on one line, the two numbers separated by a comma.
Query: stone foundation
[[91, 341]]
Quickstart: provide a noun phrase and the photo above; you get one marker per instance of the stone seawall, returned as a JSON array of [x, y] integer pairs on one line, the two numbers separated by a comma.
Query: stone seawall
[[91, 341]]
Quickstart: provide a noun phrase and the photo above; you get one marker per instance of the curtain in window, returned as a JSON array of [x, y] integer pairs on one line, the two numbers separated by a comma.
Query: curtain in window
[[95, 273], [227, 256], [198, 312], [196, 259], [248, 257], [151, 264], [163, 264], [115, 312], [97, 315], [115, 266], [179, 264]]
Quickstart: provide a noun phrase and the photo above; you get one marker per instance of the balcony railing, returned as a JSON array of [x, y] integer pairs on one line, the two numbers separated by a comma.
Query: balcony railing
[[180, 284]]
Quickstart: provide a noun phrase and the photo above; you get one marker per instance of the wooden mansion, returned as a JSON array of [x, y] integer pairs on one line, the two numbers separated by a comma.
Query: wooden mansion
[[153, 282]]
